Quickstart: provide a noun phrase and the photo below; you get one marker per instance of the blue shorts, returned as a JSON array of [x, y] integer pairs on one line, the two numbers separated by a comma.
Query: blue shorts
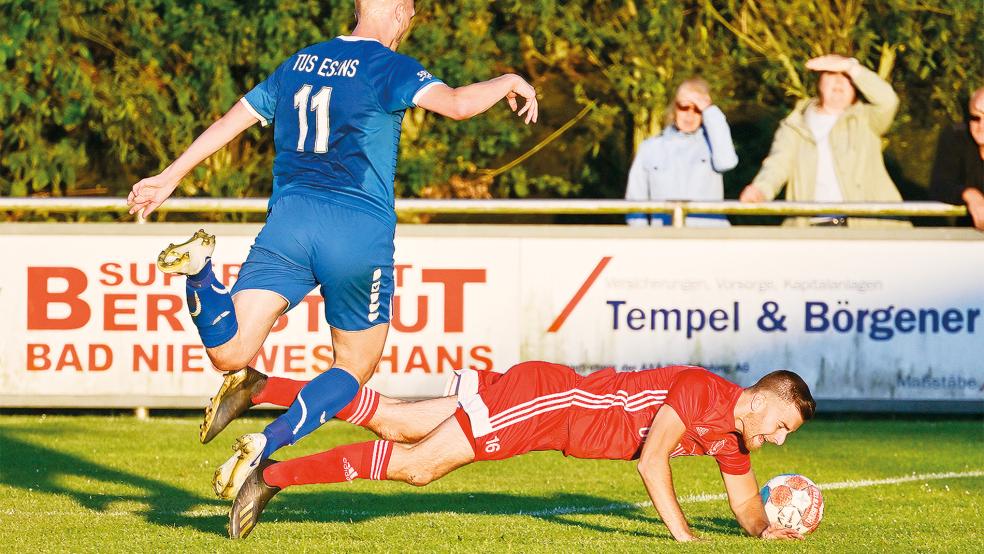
[[308, 241]]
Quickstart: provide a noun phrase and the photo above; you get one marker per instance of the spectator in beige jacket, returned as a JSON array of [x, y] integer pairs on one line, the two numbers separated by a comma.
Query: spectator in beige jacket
[[829, 148]]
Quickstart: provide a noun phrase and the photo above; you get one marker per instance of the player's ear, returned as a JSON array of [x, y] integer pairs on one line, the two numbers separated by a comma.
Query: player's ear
[[758, 402], [401, 12]]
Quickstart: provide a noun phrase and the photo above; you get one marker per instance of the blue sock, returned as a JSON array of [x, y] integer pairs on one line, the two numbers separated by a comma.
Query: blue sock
[[317, 403], [211, 307]]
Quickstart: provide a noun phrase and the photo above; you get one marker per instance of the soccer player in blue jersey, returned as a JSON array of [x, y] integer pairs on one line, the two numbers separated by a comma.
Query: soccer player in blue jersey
[[337, 109]]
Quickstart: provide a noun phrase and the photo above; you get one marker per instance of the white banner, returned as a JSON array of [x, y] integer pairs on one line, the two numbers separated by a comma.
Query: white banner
[[858, 319], [89, 320]]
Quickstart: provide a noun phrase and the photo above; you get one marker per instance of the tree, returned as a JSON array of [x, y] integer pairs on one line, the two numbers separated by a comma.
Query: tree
[[97, 93]]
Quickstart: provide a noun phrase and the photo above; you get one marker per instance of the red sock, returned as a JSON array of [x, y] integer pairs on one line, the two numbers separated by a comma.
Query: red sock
[[279, 392], [365, 460], [361, 409]]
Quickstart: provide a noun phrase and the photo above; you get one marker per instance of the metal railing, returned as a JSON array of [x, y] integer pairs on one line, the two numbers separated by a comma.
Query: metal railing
[[678, 209]]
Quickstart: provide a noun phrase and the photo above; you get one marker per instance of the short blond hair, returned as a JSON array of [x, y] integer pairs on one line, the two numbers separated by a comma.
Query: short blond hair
[[696, 83]]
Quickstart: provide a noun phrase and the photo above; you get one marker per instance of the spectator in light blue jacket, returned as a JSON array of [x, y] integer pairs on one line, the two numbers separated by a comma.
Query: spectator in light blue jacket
[[687, 160]]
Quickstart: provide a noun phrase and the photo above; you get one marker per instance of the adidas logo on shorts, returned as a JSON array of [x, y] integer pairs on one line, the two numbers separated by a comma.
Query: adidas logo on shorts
[[374, 294]]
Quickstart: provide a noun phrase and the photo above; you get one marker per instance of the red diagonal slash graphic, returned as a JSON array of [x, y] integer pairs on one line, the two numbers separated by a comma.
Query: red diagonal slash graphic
[[580, 294]]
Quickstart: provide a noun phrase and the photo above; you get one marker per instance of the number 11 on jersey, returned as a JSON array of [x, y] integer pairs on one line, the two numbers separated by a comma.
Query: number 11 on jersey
[[319, 105]]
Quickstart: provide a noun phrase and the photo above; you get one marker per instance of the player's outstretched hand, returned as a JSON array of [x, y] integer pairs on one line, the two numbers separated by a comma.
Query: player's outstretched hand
[[531, 108], [147, 194], [774, 532]]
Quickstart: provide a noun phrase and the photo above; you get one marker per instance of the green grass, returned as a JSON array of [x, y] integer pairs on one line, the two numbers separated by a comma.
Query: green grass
[[98, 484]]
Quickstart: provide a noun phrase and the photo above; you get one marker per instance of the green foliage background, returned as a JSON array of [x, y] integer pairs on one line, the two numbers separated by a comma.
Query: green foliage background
[[95, 94]]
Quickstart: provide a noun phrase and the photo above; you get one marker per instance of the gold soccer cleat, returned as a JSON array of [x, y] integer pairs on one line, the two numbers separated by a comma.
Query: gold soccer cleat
[[232, 401], [189, 257], [250, 502], [230, 476]]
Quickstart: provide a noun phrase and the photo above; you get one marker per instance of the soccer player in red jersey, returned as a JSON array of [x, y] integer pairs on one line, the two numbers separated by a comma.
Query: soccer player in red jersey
[[651, 415]]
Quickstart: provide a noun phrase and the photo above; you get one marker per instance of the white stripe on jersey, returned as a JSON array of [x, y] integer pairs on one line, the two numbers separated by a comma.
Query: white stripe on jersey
[[576, 403], [619, 397], [578, 398], [581, 401], [249, 107], [423, 89]]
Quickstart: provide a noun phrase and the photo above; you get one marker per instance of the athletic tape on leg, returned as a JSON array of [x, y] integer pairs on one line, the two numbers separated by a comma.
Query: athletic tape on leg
[[211, 307]]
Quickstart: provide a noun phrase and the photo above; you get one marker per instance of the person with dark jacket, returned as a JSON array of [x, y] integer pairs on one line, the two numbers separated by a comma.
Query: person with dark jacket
[[958, 171]]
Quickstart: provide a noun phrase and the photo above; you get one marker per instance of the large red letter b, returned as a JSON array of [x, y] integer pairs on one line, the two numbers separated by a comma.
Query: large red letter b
[[39, 297]]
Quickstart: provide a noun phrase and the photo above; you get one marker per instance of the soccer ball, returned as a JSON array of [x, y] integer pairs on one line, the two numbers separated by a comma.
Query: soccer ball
[[793, 501]]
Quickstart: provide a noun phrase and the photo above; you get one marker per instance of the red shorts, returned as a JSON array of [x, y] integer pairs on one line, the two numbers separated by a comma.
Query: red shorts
[[522, 410]]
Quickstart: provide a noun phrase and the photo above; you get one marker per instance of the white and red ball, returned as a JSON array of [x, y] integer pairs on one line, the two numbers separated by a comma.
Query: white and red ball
[[793, 501]]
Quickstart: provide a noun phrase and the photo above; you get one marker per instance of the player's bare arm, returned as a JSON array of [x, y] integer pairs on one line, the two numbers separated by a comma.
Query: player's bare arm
[[745, 502], [468, 101], [654, 466], [147, 194]]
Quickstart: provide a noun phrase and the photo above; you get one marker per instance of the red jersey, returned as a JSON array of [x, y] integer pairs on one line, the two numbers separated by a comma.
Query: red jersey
[[607, 415], [617, 428]]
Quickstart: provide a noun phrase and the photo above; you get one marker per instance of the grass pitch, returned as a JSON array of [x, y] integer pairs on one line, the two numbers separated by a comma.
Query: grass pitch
[[99, 484]]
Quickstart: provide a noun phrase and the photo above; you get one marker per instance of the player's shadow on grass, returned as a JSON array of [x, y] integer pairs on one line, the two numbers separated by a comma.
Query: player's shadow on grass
[[712, 525], [33, 467], [28, 466], [338, 505]]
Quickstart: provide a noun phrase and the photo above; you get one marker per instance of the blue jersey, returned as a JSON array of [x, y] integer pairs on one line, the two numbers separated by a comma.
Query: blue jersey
[[338, 108]]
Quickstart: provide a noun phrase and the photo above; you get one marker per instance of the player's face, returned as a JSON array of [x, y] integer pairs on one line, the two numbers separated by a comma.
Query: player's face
[[770, 420], [836, 91]]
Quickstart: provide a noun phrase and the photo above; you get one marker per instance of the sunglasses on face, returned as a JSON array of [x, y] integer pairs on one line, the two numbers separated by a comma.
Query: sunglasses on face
[[688, 108]]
